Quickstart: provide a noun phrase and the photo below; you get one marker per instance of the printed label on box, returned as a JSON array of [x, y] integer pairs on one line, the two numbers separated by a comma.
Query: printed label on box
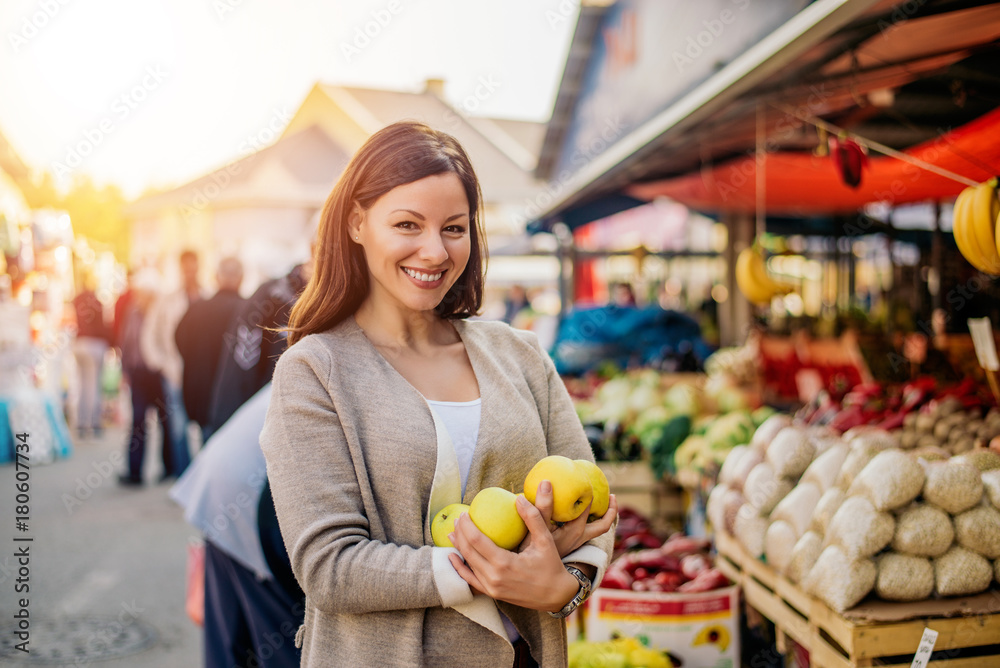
[[700, 629]]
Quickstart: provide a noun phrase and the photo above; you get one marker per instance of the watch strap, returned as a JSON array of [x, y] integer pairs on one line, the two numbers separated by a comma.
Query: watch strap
[[581, 595]]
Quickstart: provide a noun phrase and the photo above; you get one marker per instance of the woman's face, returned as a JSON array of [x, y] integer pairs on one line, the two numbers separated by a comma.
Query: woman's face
[[417, 241]]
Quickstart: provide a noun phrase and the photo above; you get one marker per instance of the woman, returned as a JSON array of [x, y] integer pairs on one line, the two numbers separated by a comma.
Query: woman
[[389, 405]]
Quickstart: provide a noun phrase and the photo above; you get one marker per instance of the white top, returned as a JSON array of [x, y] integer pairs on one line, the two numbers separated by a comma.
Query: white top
[[461, 418]]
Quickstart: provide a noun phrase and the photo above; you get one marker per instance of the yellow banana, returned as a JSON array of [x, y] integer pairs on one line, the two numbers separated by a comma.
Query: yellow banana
[[713, 635], [965, 237], [759, 268], [959, 221], [983, 225], [748, 281]]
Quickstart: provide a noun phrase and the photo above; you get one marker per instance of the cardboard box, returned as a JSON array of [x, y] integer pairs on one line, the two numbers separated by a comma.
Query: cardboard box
[[700, 629]]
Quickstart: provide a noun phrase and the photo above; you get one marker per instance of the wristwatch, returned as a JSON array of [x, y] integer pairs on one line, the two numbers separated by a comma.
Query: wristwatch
[[585, 587]]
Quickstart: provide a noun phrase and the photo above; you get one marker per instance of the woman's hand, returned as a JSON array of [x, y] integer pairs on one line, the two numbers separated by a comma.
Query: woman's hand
[[571, 535], [533, 578]]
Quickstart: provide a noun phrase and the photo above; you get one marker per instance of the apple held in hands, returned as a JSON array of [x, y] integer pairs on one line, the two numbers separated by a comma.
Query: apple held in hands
[[599, 486], [494, 512], [444, 523], [571, 490]]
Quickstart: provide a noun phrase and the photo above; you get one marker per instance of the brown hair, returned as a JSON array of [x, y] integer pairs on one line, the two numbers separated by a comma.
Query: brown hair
[[398, 154]]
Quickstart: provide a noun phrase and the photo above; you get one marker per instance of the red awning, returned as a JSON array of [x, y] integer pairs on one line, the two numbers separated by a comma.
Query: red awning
[[803, 184]]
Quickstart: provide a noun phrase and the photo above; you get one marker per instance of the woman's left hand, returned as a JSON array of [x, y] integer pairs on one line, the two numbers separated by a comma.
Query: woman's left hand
[[533, 578], [573, 534]]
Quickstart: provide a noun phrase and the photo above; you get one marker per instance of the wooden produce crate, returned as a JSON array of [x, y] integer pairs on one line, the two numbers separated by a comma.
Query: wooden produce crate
[[634, 485], [968, 629]]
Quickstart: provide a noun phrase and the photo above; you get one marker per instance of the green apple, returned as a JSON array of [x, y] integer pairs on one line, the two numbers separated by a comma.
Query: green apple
[[599, 484], [494, 512], [444, 523], [571, 490]]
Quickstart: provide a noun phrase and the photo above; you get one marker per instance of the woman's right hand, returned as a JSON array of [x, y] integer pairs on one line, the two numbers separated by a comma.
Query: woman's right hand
[[571, 535]]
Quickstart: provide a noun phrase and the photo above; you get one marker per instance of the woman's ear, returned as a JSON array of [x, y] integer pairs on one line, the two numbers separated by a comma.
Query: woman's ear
[[354, 221]]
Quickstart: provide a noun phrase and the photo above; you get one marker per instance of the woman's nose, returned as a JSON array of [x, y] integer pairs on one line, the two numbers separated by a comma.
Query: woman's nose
[[432, 249]]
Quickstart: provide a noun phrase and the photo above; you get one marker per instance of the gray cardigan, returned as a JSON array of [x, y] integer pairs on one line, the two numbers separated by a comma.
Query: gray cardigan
[[356, 469]]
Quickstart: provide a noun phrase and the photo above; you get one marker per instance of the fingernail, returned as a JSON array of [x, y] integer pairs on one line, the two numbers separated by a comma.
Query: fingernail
[[451, 537], [546, 486], [521, 501]]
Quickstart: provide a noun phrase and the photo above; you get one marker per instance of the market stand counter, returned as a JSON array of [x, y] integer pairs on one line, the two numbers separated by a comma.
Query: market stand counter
[[874, 633]]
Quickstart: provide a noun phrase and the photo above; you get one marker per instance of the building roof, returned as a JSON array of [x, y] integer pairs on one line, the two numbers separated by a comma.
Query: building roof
[[501, 151], [896, 73], [298, 169]]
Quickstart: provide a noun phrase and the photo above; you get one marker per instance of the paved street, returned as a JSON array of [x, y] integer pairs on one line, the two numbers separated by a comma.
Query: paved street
[[107, 564]]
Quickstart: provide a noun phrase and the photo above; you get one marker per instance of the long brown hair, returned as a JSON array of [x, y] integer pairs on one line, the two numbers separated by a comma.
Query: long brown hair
[[398, 154]]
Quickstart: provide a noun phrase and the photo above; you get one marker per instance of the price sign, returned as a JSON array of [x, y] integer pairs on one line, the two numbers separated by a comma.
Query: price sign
[[986, 345], [923, 654]]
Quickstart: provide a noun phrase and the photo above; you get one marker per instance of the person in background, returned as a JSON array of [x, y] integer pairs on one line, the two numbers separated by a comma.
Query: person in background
[[91, 344], [623, 295], [253, 343], [199, 338], [160, 351], [516, 301], [145, 382], [121, 309]]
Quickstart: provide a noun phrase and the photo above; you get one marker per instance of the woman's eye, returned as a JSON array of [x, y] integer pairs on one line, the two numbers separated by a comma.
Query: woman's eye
[[455, 229], [406, 225]]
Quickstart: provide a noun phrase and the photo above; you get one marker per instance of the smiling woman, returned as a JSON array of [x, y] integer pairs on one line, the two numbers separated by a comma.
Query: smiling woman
[[391, 406]]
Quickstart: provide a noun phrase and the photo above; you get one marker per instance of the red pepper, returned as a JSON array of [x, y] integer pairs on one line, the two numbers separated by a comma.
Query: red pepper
[[693, 564], [616, 580], [706, 581]]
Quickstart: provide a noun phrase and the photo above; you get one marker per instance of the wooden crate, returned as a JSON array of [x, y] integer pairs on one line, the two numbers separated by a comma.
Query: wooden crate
[[634, 485], [836, 642]]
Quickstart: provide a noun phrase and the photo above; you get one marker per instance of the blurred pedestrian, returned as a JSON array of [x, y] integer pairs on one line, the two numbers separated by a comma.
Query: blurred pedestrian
[[253, 344], [145, 382], [623, 295], [160, 352], [121, 309], [199, 339], [92, 336], [253, 605], [516, 301]]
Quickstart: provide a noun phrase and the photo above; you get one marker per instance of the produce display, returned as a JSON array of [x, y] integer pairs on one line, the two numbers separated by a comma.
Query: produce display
[[647, 563], [618, 653], [871, 510], [688, 424]]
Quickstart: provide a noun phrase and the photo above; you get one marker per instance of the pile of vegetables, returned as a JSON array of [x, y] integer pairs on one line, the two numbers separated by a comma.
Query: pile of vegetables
[[617, 653], [646, 415], [847, 515], [644, 562]]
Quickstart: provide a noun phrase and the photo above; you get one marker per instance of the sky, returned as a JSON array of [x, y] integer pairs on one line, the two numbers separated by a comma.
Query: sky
[[153, 93]]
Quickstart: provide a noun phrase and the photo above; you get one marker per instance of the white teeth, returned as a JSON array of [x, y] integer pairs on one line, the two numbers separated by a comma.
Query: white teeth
[[428, 278]]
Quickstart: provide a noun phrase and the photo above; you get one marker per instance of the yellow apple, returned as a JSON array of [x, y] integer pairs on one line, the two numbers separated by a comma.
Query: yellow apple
[[571, 491], [599, 484], [494, 513], [444, 523]]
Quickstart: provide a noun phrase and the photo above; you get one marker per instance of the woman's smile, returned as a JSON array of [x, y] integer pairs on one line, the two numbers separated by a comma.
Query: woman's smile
[[425, 279]]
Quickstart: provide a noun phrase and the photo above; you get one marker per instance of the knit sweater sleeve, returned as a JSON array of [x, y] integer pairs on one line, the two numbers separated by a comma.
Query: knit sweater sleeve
[[320, 507]]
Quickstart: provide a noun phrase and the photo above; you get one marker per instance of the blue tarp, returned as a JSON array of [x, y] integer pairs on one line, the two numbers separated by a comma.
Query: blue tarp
[[625, 336]]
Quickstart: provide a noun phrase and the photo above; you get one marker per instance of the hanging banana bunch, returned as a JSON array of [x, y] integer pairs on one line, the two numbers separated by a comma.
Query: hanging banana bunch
[[975, 226], [753, 280]]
